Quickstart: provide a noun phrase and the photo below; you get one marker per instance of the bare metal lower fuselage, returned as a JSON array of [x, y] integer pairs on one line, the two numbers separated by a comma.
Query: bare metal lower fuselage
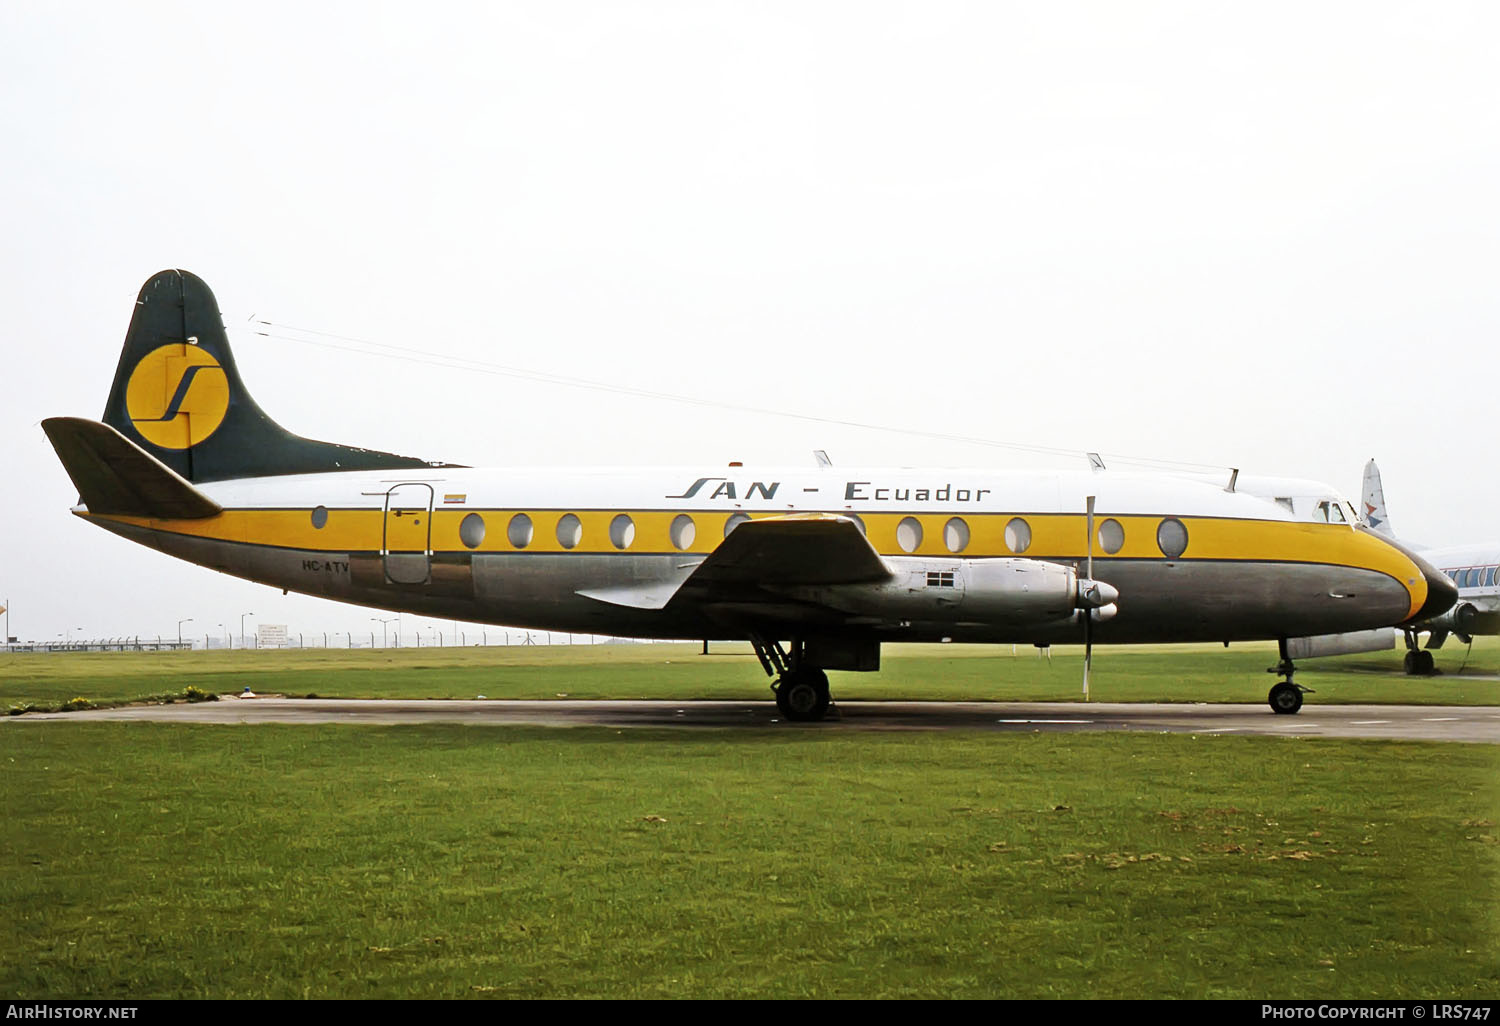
[[1221, 600]]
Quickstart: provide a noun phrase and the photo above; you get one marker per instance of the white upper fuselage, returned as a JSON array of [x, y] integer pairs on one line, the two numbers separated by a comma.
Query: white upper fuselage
[[781, 489]]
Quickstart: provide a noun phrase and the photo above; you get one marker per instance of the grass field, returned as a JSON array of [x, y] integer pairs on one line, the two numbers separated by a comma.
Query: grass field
[[151, 860], [1186, 673], [158, 860]]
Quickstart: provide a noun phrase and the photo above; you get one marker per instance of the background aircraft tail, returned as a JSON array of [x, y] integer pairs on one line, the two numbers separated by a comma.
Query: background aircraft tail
[[1372, 499], [178, 395]]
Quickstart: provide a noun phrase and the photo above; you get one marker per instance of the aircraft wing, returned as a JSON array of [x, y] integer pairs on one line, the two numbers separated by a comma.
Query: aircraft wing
[[801, 549]]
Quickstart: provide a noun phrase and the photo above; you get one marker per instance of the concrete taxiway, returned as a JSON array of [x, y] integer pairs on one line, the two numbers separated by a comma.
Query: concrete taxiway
[[1474, 724]]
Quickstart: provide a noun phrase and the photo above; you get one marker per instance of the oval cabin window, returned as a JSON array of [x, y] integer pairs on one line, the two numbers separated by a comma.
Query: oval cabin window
[[1172, 538], [956, 535], [520, 530], [569, 531], [621, 532], [683, 531], [471, 530], [1018, 535], [909, 534]]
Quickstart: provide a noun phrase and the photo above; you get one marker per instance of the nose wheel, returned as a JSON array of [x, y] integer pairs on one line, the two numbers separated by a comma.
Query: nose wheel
[[1286, 697]]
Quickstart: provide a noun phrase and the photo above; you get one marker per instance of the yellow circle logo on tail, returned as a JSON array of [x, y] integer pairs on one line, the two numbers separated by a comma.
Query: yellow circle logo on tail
[[177, 396]]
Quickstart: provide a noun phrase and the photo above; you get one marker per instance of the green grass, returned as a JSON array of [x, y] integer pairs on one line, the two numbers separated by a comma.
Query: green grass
[[155, 860], [1181, 673]]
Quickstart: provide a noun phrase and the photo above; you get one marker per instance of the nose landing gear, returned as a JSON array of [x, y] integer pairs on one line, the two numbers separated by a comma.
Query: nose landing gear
[[1286, 697]]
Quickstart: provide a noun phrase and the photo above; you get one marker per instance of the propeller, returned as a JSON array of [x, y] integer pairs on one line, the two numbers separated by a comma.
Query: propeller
[[1088, 614], [1095, 601]]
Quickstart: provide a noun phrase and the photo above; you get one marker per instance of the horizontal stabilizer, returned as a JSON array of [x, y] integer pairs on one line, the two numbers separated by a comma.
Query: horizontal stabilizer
[[115, 476]]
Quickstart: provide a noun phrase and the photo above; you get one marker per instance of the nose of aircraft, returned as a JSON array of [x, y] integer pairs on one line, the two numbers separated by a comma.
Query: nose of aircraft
[[1441, 592]]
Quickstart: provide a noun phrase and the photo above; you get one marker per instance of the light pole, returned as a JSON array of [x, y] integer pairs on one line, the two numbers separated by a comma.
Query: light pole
[[179, 630], [242, 628], [226, 635], [382, 622]]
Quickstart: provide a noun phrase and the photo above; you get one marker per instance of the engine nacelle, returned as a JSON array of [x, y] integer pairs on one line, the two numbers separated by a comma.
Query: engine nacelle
[[1461, 619], [977, 590]]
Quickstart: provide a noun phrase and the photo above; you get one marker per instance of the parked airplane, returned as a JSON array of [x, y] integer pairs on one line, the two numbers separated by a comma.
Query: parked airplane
[[832, 562], [1472, 568]]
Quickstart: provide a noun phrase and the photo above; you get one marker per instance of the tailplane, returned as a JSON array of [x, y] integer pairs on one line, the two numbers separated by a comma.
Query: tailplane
[[178, 396]]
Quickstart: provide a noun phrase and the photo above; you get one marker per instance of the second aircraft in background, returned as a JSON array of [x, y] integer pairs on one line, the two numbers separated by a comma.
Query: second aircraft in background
[[1473, 567]]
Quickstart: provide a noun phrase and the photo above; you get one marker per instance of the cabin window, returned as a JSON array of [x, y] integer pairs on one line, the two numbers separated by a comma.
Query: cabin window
[[621, 531], [683, 531], [569, 531], [1172, 538], [519, 531], [320, 517], [734, 521], [1471, 578], [1018, 535], [956, 535], [1111, 536], [1489, 577], [1285, 502], [909, 534], [471, 530]]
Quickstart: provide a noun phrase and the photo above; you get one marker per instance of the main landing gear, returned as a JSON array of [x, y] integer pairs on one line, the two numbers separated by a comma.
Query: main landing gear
[[801, 689], [1418, 661], [803, 694], [1286, 697]]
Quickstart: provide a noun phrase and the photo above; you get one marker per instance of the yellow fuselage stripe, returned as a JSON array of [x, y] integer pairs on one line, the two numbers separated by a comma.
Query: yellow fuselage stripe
[[1055, 536]]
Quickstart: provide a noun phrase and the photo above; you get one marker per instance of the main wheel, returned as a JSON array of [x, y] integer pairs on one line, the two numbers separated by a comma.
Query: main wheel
[[1409, 664], [1426, 666], [803, 695], [1286, 698]]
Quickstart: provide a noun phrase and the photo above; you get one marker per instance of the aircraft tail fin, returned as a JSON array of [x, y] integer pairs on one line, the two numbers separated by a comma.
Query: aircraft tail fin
[[178, 396], [1372, 499]]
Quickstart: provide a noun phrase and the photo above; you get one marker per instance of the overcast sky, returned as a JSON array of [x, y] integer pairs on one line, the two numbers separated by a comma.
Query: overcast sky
[[1257, 235]]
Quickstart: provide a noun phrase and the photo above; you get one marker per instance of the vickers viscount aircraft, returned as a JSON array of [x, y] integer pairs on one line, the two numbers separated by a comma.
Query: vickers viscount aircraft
[[815, 567], [1472, 567]]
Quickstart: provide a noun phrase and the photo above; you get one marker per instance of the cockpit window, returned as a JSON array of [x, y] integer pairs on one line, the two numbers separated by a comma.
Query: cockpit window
[[1329, 511]]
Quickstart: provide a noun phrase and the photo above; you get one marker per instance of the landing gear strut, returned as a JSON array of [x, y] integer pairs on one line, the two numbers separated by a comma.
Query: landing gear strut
[[801, 689], [1286, 697]]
